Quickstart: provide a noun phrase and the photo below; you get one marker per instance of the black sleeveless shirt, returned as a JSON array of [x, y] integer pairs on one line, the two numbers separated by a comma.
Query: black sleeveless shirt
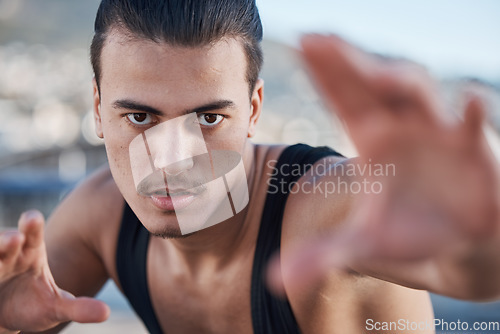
[[270, 315]]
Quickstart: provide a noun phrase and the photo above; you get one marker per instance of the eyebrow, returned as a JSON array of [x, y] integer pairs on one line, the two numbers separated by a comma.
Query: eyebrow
[[136, 106]]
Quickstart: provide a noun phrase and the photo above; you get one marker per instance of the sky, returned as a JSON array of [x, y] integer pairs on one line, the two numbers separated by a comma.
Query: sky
[[450, 37]]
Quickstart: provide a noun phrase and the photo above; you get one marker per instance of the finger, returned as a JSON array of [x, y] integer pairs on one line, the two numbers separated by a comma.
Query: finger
[[342, 73], [407, 90], [363, 86], [474, 116], [10, 246], [31, 224], [82, 309]]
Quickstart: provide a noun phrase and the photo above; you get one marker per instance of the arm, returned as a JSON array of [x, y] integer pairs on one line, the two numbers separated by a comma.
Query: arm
[[342, 300], [435, 224], [77, 231]]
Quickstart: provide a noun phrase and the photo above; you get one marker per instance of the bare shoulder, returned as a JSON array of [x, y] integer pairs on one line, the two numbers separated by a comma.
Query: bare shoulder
[[318, 202], [94, 201], [81, 234], [268, 155]]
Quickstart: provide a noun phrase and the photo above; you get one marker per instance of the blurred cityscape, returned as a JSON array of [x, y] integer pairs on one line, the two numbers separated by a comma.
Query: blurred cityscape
[[47, 138]]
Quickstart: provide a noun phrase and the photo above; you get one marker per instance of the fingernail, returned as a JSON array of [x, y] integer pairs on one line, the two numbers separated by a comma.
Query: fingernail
[[5, 238], [31, 214]]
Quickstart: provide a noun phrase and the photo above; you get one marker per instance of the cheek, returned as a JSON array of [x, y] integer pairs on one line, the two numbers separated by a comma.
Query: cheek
[[117, 150], [242, 124], [118, 156], [232, 137], [119, 165]]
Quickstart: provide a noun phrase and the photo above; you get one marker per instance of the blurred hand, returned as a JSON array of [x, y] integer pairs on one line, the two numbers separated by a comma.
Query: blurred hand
[[29, 298], [442, 202]]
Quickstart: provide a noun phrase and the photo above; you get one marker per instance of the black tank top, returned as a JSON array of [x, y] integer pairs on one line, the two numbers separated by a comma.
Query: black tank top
[[270, 315]]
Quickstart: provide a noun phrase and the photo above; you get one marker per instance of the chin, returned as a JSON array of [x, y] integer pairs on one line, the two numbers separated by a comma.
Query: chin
[[164, 225], [170, 233]]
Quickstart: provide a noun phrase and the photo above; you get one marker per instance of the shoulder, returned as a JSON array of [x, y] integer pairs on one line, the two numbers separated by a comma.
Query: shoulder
[[93, 201], [83, 230], [318, 204], [319, 201], [315, 202]]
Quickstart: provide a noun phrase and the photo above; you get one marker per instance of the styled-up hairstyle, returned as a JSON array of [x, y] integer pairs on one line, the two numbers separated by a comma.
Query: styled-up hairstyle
[[187, 23]]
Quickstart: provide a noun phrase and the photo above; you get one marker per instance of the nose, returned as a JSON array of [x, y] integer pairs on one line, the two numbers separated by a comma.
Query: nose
[[172, 146], [171, 153], [178, 167]]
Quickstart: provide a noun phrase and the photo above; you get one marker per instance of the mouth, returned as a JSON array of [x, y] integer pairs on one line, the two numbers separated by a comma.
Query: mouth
[[169, 193], [171, 200], [172, 203]]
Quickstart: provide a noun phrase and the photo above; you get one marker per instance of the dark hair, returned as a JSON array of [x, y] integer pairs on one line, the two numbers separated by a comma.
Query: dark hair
[[188, 23]]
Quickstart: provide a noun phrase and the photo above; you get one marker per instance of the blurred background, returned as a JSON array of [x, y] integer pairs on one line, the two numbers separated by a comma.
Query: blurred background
[[47, 139]]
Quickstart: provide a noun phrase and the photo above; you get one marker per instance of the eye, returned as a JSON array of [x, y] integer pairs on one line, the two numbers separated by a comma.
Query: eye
[[140, 118], [210, 119]]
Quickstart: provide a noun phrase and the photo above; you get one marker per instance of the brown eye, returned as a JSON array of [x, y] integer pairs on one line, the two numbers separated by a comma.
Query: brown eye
[[140, 118], [210, 119]]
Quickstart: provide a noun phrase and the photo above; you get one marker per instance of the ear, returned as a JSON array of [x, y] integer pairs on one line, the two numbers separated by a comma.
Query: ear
[[256, 106], [97, 110]]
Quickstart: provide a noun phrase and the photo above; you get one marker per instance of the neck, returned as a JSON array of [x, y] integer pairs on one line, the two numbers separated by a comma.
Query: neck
[[217, 245]]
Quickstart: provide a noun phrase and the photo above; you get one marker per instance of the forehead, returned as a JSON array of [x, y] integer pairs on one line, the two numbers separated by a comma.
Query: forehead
[[141, 66]]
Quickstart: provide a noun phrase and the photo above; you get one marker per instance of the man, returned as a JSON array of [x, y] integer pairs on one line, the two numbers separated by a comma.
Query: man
[[160, 62]]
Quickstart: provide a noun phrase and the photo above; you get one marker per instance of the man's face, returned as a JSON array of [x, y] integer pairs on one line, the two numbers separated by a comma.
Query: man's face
[[169, 117]]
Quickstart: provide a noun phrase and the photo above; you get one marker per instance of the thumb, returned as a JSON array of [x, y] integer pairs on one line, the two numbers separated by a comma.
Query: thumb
[[82, 309]]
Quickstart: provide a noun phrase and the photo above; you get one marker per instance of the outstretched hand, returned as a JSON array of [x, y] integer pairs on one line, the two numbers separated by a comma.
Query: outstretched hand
[[29, 298], [442, 204]]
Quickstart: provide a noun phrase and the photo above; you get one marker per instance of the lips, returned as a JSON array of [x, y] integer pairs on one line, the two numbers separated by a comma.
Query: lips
[[173, 202], [164, 192], [172, 199]]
